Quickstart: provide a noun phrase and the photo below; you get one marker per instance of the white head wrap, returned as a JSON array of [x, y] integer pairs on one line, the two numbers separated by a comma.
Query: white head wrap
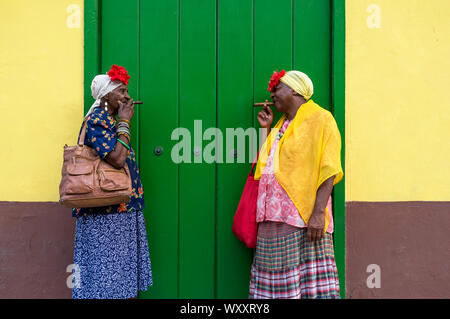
[[101, 85]]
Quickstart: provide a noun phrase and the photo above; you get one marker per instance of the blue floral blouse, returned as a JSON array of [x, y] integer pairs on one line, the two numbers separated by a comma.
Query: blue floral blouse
[[101, 136]]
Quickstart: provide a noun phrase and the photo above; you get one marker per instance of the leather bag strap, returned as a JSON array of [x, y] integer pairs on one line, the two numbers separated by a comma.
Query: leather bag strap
[[82, 134]]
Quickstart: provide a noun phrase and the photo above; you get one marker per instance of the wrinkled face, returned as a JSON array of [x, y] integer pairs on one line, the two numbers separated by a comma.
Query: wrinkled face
[[118, 94], [282, 97]]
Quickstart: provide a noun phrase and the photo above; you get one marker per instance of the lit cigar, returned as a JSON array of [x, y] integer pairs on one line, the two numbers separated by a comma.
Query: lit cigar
[[138, 102]]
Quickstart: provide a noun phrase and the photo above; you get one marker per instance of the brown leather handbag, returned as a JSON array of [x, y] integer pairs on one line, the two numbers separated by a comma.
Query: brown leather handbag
[[89, 181]]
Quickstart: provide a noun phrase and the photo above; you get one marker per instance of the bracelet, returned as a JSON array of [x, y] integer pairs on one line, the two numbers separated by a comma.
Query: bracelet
[[124, 120], [124, 133], [123, 124], [124, 144], [121, 128]]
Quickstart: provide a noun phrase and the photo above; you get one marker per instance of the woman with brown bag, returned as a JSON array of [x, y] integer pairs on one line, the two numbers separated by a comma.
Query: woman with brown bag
[[111, 252]]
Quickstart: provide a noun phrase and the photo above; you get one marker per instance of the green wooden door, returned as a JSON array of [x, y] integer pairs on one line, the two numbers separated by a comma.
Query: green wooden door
[[207, 60]]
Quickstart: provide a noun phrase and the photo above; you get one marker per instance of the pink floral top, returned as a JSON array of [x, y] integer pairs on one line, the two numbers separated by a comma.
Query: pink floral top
[[273, 203]]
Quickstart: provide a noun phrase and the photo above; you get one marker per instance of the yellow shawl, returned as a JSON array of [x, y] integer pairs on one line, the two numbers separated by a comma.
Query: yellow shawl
[[308, 154]]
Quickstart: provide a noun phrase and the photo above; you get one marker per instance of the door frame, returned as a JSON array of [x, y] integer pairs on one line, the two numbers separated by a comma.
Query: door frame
[[338, 33], [92, 62]]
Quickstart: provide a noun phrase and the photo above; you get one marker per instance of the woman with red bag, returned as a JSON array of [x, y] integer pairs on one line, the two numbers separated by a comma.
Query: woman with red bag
[[297, 167]]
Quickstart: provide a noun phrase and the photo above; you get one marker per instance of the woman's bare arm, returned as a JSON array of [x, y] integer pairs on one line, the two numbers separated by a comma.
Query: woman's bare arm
[[316, 222], [118, 156]]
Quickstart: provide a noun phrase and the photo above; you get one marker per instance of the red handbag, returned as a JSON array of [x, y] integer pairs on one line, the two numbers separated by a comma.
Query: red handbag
[[244, 221]]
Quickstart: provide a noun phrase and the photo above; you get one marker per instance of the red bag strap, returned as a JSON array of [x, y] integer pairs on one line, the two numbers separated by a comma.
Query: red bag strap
[[254, 163]]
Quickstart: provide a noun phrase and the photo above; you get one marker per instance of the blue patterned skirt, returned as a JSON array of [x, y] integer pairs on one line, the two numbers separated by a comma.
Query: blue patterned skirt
[[111, 256]]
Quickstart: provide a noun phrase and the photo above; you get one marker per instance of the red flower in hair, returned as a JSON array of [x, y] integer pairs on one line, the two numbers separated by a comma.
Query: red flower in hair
[[274, 79], [118, 73]]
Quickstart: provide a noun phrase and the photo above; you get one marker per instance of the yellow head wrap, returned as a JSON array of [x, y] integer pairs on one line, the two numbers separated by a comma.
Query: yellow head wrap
[[299, 82]]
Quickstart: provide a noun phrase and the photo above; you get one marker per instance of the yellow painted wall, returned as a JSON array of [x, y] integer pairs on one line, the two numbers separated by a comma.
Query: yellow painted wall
[[397, 100], [397, 110], [41, 93]]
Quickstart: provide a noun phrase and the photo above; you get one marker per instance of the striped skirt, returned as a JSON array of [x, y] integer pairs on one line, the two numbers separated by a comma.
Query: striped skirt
[[287, 266]]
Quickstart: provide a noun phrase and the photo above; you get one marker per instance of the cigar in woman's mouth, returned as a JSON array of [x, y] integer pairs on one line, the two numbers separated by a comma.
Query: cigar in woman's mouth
[[138, 102]]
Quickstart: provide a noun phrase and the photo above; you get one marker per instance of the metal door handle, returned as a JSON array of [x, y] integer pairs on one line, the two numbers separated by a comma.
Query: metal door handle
[[158, 150]]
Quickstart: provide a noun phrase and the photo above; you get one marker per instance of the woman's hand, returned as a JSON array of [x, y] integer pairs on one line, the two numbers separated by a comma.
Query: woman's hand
[[316, 225], [126, 110], [265, 116]]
